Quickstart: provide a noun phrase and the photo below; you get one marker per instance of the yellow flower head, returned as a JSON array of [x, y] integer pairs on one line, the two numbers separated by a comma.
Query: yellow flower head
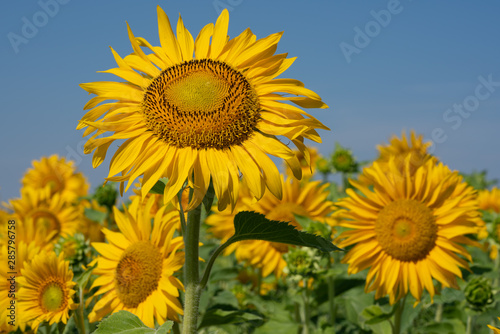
[[201, 109], [46, 290], [307, 161], [59, 175], [91, 229], [408, 228], [136, 268], [489, 199], [24, 253], [43, 216], [401, 148], [304, 199]]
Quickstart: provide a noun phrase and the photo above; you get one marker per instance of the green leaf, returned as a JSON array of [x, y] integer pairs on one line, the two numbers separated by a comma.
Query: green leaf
[[126, 322], [95, 215], [220, 315], [374, 314], [165, 328], [250, 225], [159, 187]]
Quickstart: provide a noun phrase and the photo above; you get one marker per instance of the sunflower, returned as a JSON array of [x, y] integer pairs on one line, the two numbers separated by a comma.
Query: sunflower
[[489, 199], [200, 109], [91, 228], [46, 290], [304, 199], [307, 160], [43, 215], [408, 229], [399, 149], [59, 175], [24, 253], [136, 268]]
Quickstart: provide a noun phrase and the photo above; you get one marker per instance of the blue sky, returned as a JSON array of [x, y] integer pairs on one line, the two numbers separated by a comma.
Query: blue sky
[[381, 66]]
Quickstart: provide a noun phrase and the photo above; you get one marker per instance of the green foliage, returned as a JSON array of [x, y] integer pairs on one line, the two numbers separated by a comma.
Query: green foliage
[[478, 180], [127, 323], [255, 226]]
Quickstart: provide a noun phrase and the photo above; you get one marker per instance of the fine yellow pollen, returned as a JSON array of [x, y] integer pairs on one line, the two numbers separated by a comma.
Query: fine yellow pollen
[[406, 229], [138, 273], [201, 104], [53, 296]]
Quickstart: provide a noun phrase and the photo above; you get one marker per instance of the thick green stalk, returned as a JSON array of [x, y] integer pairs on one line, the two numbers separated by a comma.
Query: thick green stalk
[[439, 312], [397, 316], [191, 272]]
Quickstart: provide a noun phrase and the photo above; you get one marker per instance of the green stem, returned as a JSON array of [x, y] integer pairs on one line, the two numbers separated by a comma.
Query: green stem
[[397, 316], [470, 321], [175, 328], [211, 261], [439, 312], [259, 280], [191, 271], [331, 295], [306, 315], [81, 312]]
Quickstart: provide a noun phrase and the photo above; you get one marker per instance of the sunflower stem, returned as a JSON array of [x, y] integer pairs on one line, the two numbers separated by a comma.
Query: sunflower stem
[[191, 271], [470, 324], [306, 314], [81, 312], [439, 312], [175, 328], [397, 316], [331, 294]]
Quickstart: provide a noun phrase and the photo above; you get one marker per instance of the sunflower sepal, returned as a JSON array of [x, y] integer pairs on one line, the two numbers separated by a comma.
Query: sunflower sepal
[[127, 322]]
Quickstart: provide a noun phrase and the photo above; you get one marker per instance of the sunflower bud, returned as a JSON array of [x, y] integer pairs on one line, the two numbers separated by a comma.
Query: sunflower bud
[[478, 293], [106, 195], [343, 161]]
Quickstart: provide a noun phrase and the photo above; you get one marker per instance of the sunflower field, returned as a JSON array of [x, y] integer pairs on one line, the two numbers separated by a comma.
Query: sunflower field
[[218, 217]]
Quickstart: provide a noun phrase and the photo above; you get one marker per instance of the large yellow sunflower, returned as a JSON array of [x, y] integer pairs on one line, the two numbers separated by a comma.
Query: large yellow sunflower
[[200, 109], [59, 175], [399, 149], [489, 199], [408, 228], [43, 215], [23, 253], [46, 290], [136, 268], [304, 199]]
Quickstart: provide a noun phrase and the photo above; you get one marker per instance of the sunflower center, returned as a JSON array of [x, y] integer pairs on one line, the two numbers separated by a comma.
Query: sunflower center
[[406, 229], [138, 273], [201, 104], [55, 183], [53, 296]]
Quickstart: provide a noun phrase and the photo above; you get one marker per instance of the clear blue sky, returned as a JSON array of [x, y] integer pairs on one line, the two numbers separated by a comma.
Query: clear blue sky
[[406, 71]]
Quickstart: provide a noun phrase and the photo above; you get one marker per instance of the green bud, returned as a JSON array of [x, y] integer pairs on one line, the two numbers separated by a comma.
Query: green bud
[[343, 161], [106, 195], [478, 293]]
